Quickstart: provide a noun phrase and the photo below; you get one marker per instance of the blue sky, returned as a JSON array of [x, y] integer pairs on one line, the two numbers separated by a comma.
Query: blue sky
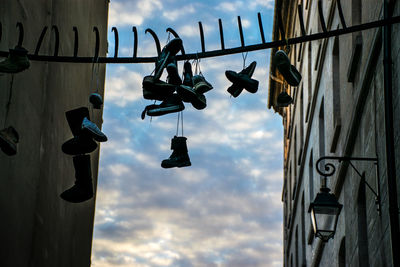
[[224, 210]]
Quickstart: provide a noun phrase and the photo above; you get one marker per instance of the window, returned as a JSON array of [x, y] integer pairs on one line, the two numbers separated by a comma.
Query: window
[[342, 253], [301, 125], [336, 94], [356, 9], [309, 79], [311, 177], [362, 225], [303, 233], [296, 240], [321, 131]]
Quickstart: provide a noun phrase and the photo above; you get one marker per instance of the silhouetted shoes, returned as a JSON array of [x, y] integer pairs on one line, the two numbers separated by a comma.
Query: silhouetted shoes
[[92, 130], [242, 80], [16, 61], [187, 74], [200, 84], [173, 75], [154, 89], [79, 145], [284, 100], [82, 190], [179, 157], [171, 104], [9, 139], [169, 50], [96, 100], [288, 71]]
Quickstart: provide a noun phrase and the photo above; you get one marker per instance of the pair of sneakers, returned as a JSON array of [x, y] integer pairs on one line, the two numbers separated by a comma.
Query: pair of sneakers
[[193, 88], [289, 72], [242, 80], [16, 61]]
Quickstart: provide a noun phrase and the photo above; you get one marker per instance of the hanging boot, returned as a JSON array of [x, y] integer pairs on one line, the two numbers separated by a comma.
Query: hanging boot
[[179, 157], [82, 190], [79, 145], [75, 118], [187, 74], [16, 61], [288, 71], [171, 104], [96, 100], [154, 89], [242, 80], [9, 139], [173, 75], [169, 50], [284, 100], [189, 94]]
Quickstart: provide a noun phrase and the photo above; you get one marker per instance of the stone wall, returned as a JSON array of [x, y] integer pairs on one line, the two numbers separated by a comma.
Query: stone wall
[[38, 227]]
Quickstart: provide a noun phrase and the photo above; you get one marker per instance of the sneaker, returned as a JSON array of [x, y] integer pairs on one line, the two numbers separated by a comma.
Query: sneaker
[[154, 89], [288, 71], [169, 50], [82, 190], [187, 74], [284, 100], [171, 104], [173, 75], [79, 145], [92, 130], [179, 157], [189, 94], [200, 84], [9, 139], [16, 61], [96, 100], [75, 118], [242, 80]]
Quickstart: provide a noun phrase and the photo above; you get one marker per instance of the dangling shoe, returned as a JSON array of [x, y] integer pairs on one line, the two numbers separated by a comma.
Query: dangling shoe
[[284, 100], [173, 75], [9, 139], [171, 104], [189, 94], [16, 61], [156, 89], [79, 145], [91, 129], [96, 100], [288, 71], [169, 50], [187, 74], [200, 84], [179, 157], [242, 80], [82, 190]]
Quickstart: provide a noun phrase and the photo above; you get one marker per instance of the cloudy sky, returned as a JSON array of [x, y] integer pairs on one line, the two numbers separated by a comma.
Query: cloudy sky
[[224, 210]]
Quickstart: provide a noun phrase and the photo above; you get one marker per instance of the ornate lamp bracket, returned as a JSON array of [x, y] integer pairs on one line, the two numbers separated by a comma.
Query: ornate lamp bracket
[[328, 169]]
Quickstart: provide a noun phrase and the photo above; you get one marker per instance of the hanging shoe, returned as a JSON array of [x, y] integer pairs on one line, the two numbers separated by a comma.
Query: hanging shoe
[[284, 100], [16, 61], [187, 74], [82, 190], [288, 71], [79, 145], [169, 50], [189, 94], [242, 80], [91, 129], [75, 118], [200, 84], [179, 157], [173, 75], [96, 100], [171, 104], [155, 89], [9, 139]]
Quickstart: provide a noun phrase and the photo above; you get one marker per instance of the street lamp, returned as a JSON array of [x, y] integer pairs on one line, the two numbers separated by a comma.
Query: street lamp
[[325, 209], [325, 212]]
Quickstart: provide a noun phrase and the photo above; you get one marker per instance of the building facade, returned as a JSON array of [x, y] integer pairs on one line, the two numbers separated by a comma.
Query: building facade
[[339, 110], [38, 228]]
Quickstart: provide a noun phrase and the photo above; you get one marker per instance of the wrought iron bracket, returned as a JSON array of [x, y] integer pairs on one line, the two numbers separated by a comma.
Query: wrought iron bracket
[[329, 170]]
